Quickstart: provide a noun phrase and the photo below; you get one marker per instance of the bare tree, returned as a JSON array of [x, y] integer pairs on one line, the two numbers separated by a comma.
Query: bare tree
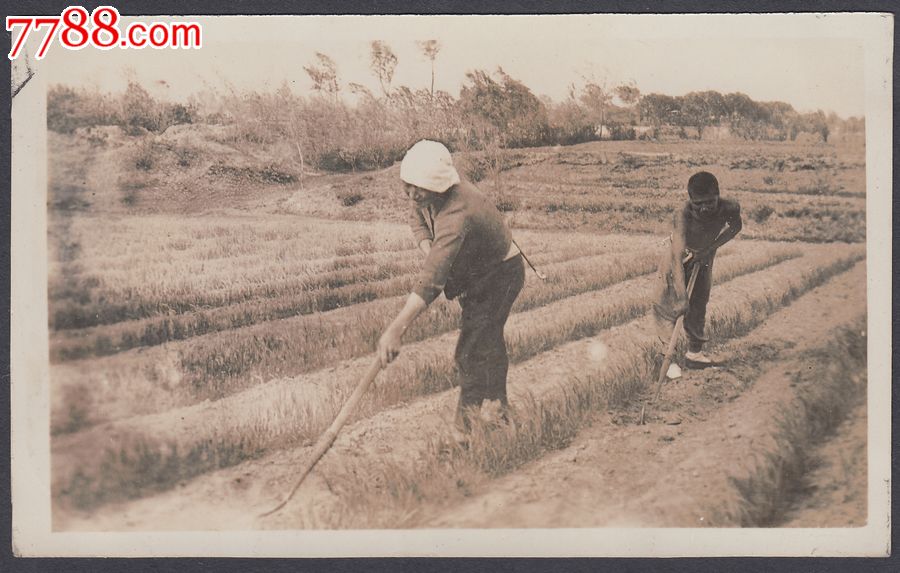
[[384, 62], [430, 48], [596, 98], [292, 118], [323, 73]]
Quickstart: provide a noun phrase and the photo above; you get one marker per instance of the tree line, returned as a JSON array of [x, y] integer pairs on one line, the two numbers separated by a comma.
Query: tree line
[[346, 126], [743, 116]]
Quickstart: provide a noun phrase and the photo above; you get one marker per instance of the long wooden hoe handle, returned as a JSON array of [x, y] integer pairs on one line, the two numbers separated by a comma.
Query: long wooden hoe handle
[[331, 433], [673, 341]]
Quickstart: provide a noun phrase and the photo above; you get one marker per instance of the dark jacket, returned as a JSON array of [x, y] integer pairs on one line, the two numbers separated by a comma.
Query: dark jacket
[[469, 241]]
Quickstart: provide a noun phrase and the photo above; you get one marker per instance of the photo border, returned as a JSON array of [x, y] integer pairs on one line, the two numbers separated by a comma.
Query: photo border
[[876, 279]]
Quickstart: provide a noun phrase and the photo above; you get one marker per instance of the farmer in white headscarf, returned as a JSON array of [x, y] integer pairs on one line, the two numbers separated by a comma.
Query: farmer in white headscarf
[[470, 256]]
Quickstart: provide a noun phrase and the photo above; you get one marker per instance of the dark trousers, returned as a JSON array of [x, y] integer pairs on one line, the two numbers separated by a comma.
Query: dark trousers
[[481, 350], [695, 318]]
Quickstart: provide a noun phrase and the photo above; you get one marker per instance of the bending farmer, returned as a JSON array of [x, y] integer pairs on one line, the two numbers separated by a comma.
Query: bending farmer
[[701, 226], [469, 256]]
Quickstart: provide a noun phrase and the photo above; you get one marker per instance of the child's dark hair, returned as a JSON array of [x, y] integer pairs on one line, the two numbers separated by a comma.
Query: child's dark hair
[[703, 184]]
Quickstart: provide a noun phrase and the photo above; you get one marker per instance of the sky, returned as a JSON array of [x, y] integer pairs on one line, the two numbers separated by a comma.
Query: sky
[[810, 61]]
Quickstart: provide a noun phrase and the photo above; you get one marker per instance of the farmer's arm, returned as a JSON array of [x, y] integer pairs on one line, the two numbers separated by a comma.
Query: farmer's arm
[[421, 230], [390, 341], [429, 285]]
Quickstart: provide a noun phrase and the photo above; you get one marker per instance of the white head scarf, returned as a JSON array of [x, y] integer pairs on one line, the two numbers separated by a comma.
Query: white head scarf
[[428, 165]]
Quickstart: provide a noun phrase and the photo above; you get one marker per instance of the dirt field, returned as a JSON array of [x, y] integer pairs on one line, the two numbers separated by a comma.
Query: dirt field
[[209, 316]]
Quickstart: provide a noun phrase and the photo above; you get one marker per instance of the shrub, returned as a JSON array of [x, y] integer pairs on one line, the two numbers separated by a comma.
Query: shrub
[[363, 159], [135, 111], [139, 110], [760, 213], [507, 202], [185, 156], [68, 109], [178, 114], [474, 169], [145, 156], [268, 174], [622, 132], [348, 197], [271, 174]]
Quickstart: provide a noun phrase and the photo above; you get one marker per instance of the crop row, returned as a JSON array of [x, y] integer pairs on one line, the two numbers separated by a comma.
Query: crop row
[[153, 301], [154, 265], [284, 412], [132, 293], [184, 276], [796, 223], [151, 240], [657, 204], [536, 195], [353, 282], [831, 174], [215, 364], [162, 248], [646, 184]]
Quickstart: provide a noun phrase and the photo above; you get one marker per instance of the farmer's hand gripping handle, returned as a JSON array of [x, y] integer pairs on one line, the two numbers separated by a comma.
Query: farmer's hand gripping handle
[[331, 433]]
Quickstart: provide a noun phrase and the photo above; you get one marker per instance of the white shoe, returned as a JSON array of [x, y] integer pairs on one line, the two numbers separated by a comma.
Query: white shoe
[[674, 372], [697, 358]]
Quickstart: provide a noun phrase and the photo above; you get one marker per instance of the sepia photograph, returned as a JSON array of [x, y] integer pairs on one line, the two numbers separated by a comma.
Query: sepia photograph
[[452, 285]]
